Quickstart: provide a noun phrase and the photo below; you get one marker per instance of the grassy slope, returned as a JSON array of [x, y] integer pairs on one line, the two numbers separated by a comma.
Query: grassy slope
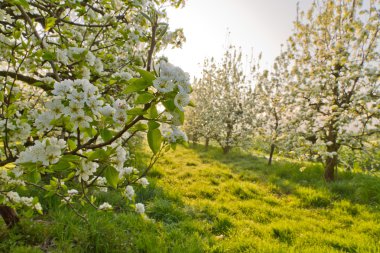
[[206, 201]]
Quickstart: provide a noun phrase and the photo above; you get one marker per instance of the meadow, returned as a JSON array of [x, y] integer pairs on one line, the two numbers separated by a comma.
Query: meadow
[[205, 201]]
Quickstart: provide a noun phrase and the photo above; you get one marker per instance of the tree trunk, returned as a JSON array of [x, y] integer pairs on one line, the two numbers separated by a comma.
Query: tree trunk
[[272, 148], [9, 215], [195, 141], [331, 163], [207, 141], [226, 149]]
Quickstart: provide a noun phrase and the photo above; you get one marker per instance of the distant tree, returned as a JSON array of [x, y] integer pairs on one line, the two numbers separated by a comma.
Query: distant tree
[[336, 63], [200, 117], [222, 105], [270, 104]]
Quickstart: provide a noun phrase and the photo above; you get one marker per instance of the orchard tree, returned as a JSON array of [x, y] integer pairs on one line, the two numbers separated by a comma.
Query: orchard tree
[[270, 102], [78, 80], [335, 51], [200, 118], [221, 98]]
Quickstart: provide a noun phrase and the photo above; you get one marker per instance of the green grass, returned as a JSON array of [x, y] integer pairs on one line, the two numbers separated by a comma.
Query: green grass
[[209, 202]]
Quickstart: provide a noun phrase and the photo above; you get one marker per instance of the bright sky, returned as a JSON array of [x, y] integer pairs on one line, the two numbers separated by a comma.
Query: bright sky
[[259, 24]]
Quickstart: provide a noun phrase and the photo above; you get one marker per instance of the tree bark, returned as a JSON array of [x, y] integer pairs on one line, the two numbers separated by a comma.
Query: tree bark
[[272, 148], [207, 141], [9, 215], [226, 149], [195, 140], [331, 163]]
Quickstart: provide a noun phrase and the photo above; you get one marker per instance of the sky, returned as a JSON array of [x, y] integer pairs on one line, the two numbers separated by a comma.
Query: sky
[[210, 25]]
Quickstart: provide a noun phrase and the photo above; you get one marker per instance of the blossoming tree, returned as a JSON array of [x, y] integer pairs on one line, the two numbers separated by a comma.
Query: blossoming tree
[[271, 97], [222, 98], [78, 80], [199, 123], [336, 61]]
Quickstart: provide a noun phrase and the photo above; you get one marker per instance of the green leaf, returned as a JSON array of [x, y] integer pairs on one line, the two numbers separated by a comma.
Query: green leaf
[[154, 140], [99, 154], [152, 112], [72, 144], [112, 176], [62, 165], [146, 16], [136, 111], [23, 3], [140, 127], [70, 158], [35, 177], [181, 115], [136, 84], [153, 125], [48, 56], [49, 23], [147, 76], [144, 98], [169, 104], [106, 134], [70, 176]]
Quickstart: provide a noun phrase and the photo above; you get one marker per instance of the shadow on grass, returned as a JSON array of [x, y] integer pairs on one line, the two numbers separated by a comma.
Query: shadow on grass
[[286, 177]]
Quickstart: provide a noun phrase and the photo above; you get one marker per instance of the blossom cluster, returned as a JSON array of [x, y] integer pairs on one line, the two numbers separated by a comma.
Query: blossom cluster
[[171, 78], [48, 151]]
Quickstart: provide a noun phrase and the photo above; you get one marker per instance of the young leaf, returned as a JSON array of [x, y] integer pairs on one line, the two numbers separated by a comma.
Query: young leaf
[[154, 140], [112, 176], [144, 98], [147, 76], [136, 84], [106, 134]]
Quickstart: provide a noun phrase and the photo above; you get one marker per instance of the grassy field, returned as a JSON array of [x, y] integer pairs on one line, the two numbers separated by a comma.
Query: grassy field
[[209, 202]]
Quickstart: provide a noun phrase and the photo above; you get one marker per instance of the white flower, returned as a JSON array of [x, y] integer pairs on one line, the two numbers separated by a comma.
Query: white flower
[[13, 196], [107, 110], [72, 192], [140, 208], [63, 88], [121, 156], [163, 86], [47, 152], [129, 192], [81, 121], [26, 201], [75, 108], [62, 56], [43, 121], [87, 169], [143, 181], [38, 207], [175, 135], [120, 117], [90, 58], [86, 73], [181, 100], [105, 206], [56, 107], [125, 171], [102, 183], [18, 171], [76, 96]]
